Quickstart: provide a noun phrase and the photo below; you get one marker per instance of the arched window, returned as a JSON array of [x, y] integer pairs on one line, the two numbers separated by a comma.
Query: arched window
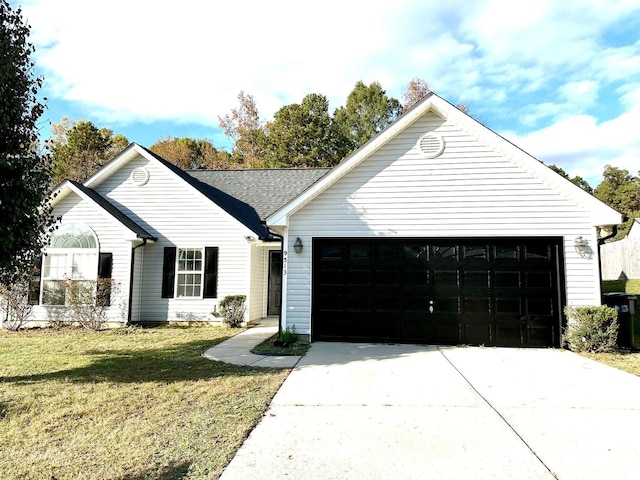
[[72, 255]]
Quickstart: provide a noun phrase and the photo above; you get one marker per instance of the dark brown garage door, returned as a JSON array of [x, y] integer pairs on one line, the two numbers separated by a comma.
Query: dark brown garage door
[[505, 292]]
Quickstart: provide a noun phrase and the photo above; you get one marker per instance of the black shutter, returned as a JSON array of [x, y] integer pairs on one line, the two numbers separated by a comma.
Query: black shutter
[[35, 282], [210, 272], [168, 272], [105, 267]]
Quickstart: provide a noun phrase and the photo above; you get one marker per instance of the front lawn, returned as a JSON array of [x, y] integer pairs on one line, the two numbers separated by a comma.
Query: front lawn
[[627, 361], [124, 404]]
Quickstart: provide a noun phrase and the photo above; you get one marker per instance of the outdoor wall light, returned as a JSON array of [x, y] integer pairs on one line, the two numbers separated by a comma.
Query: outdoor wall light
[[582, 247], [298, 246]]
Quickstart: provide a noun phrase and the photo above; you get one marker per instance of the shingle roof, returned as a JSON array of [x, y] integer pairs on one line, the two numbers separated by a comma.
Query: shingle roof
[[252, 195], [115, 212]]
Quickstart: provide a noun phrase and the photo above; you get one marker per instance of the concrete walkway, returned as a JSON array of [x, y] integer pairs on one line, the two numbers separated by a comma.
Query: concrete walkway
[[362, 411], [237, 349]]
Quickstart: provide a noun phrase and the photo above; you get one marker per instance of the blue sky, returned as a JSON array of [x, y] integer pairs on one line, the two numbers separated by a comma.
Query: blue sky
[[559, 79]]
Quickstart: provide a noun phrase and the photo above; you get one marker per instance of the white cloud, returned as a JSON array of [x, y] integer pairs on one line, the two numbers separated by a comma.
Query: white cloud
[[583, 146], [544, 70]]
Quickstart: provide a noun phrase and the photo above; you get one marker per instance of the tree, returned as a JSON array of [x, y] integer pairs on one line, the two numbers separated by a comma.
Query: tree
[[188, 153], [244, 126], [25, 170], [621, 191], [577, 180], [80, 148], [368, 110], [416, 91], [301, 135]]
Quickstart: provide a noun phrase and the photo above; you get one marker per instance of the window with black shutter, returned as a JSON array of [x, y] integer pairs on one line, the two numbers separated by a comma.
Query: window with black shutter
[[168, 272], [210, 272], [34, 283], [105, 267]]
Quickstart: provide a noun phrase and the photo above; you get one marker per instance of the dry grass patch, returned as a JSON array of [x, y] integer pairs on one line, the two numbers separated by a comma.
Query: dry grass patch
[[627, 361], [124, 404]]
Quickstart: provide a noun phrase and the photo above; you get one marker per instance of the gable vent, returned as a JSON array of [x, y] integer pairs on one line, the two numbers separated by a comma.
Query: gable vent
[[431, 144], [140, 176]]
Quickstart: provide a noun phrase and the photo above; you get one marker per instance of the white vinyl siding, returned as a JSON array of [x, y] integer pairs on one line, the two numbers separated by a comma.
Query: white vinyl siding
[[471, 190], [111, 239], [179, 216]]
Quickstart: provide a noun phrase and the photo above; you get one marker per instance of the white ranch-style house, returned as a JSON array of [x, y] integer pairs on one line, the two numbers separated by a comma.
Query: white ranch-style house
[[437, 230]]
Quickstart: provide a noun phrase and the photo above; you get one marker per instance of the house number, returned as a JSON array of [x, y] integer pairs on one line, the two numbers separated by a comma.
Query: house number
[[284, 262]]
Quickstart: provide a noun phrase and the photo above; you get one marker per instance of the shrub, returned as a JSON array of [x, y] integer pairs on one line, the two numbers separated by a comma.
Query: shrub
[[591, 329], [233, 309], [14, 305], [89, 301], [287, 338]]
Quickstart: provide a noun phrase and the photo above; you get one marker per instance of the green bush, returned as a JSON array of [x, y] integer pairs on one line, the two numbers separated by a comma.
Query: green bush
[[232, 308], [288, 337], [591, 329]]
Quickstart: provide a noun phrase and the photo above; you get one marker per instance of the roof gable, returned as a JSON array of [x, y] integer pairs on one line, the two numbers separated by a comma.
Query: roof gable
[[248, 196], [601, 214], [94, 197]]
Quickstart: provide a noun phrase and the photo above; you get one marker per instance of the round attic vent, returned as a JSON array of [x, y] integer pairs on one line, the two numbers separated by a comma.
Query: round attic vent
[[431, 144], [140, 176]]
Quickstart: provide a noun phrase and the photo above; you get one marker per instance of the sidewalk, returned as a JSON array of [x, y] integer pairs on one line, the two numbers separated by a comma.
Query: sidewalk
[[237, 349]]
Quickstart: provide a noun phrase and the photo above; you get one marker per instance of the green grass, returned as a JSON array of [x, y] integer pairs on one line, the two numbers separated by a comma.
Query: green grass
[[268, 348], [127, 404], [629, 286]]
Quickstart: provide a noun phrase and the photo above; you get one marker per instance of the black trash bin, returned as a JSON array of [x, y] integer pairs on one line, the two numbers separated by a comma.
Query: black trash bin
[[625, 304]]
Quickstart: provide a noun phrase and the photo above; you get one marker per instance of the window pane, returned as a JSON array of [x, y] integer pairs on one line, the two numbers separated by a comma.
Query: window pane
[[442, 251], [52, 293], [189, 285], [476, 252], [84, 265], [189, 260], [507, 252], [73, 236], [55, 265]]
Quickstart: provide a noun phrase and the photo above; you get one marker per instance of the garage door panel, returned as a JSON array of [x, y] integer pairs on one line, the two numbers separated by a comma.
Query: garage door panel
[[477, 334], [540, 335], [445, 278], [476, 291], [506, 279], [509, 334], [477, 279], [448, 333]]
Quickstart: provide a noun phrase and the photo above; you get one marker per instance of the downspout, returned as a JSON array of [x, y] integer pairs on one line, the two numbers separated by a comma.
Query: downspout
[[282, 289], [133, 261]]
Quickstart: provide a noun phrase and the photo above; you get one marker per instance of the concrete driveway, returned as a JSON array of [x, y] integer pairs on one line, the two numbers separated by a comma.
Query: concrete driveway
[[362, 411]]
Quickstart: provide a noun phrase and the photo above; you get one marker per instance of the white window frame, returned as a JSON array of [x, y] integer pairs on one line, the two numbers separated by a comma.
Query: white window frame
[[67, 266], [195, 273]]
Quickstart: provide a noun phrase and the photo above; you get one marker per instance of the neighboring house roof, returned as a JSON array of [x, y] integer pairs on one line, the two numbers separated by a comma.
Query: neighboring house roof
[[601, 214], [634, 231], [107, 206]]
